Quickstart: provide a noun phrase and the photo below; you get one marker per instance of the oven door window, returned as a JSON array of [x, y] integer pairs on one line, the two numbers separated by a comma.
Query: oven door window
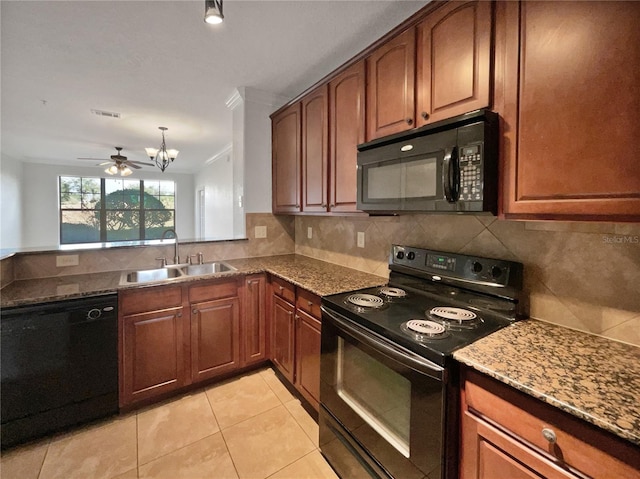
[[379, 395]]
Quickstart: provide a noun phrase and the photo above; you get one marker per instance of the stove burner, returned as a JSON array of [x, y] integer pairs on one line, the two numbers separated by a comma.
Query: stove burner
[[392, 293], [424, 330], [368, 301], [453, 314]]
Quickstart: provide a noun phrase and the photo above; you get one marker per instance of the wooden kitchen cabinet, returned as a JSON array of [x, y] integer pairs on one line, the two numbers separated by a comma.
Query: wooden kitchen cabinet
[[453, 61], [253, 326], [507, 434], [215, 328], [283, 334], [296, 327], [286, 165], [568, 90], [347, 130], [390, 101], [308, 329], [152, 349], [315, 146]]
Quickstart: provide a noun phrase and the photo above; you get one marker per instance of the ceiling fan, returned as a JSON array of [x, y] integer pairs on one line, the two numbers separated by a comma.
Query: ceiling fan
[[119, 163]]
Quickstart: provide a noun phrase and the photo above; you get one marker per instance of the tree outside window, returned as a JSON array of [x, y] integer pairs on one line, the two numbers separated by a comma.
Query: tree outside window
[[114, 209]]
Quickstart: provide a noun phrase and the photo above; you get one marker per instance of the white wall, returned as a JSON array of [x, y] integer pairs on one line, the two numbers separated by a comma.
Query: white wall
[[11, 203], [216, 179], [40, 206]]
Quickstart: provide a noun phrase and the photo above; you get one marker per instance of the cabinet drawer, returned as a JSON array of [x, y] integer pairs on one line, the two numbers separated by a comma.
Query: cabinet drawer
[[555, 434], [309, 303], [149, 299], [284, 289], [210, 291]]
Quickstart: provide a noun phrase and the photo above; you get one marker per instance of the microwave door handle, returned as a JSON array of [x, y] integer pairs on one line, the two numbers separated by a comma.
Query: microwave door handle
[[451, 179]]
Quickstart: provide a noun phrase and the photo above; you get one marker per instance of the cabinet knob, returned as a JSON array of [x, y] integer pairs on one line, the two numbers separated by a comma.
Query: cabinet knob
[[409, 121], [324, 205], [281, 288], [310, 303], [549, 435], [424, 115], [332, 205], [179, 314], [194, 311], [298, 206]]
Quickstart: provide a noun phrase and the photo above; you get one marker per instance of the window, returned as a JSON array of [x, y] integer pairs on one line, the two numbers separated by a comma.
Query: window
[[114, 209]]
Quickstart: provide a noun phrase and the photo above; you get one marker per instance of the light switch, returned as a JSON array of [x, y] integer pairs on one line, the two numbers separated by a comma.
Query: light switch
[[309, 232], [360, 239], [261, 232]]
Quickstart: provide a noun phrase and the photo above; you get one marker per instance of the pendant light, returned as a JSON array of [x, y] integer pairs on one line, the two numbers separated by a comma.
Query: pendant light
[[213, 12]]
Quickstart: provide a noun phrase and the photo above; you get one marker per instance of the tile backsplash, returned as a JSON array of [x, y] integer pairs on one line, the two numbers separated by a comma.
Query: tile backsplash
[[584, 276]]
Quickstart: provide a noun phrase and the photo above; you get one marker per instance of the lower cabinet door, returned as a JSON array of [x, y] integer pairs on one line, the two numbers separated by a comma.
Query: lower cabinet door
[[308, 357], [215, 338], [254, 321], [283, 335], [153, 355]]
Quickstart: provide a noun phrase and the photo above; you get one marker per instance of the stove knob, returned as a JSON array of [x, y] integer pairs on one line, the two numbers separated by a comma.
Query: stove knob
[[496, 271], [400, 254], [411, 255], [476, 266]]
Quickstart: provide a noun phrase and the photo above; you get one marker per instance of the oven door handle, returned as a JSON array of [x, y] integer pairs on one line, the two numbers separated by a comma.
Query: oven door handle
[[401, 355]]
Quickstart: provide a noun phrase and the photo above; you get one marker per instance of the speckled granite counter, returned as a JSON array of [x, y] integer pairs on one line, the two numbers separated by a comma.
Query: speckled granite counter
[[591, 377], [316, 276]]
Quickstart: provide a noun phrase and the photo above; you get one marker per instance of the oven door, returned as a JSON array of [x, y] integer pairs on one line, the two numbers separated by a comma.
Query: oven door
[[382, 407]]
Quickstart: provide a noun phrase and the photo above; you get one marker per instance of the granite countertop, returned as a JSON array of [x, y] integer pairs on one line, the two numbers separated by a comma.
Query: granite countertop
[[319, 277], [593, 378]]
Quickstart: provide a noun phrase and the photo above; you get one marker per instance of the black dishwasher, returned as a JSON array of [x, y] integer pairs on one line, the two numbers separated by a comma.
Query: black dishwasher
[[59, 365]]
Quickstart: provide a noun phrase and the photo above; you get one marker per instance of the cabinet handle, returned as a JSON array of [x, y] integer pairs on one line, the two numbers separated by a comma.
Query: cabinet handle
[[409, 121], [425, 115], [549, 435]]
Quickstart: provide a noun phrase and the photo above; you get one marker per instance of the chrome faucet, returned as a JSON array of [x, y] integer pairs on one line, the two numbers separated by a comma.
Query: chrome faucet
[[176, 253]]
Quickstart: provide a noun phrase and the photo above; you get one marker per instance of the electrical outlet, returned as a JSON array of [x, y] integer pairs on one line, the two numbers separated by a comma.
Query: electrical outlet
[[309, 232], [261, 232], [360, 239], [67, 260]]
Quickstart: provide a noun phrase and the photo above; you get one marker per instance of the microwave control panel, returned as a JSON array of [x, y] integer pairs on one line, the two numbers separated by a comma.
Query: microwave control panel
[[471, 172]]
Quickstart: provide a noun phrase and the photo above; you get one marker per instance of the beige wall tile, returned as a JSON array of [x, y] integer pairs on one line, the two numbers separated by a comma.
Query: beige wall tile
[[578, 274]]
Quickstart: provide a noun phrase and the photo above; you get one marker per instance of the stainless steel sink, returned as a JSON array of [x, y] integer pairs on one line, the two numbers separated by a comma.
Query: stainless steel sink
[[207, 268], [147, 275], [174, 271]]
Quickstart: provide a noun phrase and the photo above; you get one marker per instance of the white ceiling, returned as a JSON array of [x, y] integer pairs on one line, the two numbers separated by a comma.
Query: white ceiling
[[158, 64]]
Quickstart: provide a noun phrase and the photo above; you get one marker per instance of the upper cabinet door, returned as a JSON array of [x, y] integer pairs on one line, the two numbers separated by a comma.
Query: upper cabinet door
[[391, 85], [571, 78], [315, 154], [453, 61], [286, 160], [346, 93]]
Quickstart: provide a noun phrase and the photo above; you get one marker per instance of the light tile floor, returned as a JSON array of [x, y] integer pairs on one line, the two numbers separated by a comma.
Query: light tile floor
[[248, 427]]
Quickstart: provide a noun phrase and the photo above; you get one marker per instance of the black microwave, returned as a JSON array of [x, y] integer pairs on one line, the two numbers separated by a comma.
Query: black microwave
[[447, 167]]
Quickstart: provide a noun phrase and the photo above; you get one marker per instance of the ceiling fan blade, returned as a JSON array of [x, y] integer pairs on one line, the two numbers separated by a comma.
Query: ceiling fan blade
[[93, 159], [139, 163], [132, 165], [104, 163]]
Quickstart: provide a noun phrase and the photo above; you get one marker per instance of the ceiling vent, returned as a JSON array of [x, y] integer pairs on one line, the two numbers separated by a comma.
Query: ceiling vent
[[109, 114]]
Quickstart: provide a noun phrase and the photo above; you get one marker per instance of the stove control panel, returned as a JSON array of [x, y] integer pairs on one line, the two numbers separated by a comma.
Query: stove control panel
[[458, 268]]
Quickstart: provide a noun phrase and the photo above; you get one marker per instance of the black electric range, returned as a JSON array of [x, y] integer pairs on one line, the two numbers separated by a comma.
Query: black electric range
[[436, 302]]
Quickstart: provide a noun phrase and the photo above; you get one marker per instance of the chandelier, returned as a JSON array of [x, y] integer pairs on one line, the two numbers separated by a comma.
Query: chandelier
[[161, 156]]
